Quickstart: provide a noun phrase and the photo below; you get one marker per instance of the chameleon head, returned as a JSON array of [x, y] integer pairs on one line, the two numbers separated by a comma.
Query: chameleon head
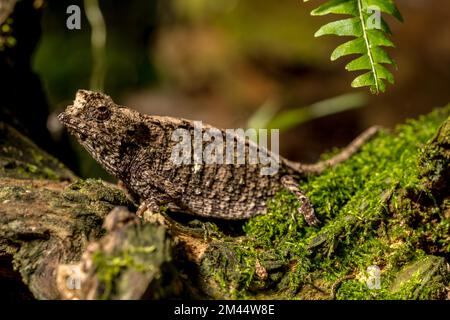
[[109, 132]]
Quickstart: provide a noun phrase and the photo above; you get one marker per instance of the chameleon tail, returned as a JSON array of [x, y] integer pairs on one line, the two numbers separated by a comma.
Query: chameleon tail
[[346, 153]]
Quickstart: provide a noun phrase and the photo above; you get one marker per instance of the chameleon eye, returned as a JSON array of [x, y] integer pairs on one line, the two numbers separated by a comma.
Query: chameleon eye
[[101, 113]]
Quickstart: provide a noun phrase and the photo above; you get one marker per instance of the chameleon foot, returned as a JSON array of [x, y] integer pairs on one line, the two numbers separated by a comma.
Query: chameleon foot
[[306, 208], [147, 206], [150, 212]]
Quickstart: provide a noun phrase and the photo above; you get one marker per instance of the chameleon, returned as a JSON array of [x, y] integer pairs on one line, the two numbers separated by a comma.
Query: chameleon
[[137, 148]]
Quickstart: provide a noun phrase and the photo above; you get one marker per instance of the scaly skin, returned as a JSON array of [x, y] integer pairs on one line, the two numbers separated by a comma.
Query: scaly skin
[[137, 149]]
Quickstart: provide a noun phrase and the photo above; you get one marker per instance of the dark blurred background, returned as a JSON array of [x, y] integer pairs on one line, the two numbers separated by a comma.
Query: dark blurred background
[[234, 63]]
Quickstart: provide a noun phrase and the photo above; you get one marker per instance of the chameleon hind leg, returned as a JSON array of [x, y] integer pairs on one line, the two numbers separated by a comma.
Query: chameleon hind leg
[[305, 208]]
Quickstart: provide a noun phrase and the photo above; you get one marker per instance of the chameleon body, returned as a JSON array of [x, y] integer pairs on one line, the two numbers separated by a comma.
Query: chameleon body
[[137, 149]]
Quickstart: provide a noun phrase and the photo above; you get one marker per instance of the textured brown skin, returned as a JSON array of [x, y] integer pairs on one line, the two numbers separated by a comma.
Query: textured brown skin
[[136, 149]]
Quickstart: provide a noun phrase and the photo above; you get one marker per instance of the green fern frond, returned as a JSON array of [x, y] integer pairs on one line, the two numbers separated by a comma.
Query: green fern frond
[[369, 39]]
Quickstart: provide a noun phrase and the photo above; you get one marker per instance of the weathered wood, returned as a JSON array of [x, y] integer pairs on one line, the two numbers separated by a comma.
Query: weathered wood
[[45, 218], [132, 261], [50, 221]]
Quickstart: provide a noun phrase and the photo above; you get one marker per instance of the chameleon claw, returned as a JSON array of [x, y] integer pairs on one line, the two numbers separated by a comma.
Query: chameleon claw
[[146, 206], [305, 208]]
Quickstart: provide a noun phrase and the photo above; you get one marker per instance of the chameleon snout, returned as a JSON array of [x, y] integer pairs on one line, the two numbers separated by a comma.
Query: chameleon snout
[[62, 117]]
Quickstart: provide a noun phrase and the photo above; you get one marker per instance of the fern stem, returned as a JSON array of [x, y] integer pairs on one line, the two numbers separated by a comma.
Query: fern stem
[[366, 40]]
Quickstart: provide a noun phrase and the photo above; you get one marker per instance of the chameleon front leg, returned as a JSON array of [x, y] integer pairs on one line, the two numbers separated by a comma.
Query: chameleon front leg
[[149, 204], [305, 208], [154, 190], [152, 202]]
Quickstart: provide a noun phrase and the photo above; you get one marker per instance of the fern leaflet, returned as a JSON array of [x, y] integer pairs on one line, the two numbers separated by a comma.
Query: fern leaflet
[[371, 34]]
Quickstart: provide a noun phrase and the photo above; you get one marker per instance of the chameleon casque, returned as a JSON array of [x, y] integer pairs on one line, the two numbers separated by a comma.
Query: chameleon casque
[[136, 148]]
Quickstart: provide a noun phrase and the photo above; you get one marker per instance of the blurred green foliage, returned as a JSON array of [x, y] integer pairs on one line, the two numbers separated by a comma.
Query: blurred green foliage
[[6, 39], [267, 116], [230, 56], [64, 57]]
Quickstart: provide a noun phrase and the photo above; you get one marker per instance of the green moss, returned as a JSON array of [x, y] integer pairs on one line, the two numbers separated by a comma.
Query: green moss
[[383, 207], [96, 190], [135, 253], [21, 158], [423, 279], [110, 266], [11, 193]]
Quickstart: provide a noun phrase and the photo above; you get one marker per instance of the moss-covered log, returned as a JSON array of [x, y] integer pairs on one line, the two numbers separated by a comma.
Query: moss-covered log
[[132, 261], [385, 209], [45, 217], [55, 233]]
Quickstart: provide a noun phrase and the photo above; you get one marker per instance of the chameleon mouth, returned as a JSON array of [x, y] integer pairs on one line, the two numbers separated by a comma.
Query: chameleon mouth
[[67, 121], [73, 125], [62, 117]]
